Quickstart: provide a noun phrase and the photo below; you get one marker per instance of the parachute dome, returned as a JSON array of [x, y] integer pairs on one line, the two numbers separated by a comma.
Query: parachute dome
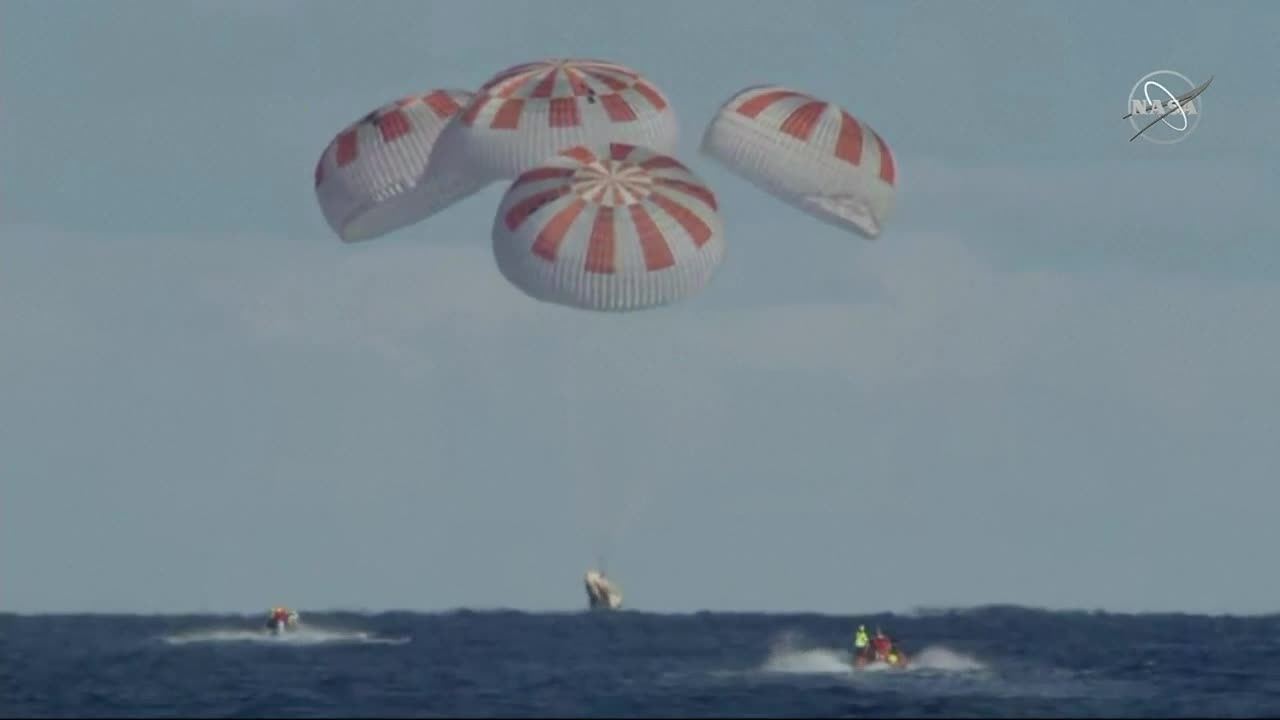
[[528, 113], [615, 228], [370, 181], [807, 152]]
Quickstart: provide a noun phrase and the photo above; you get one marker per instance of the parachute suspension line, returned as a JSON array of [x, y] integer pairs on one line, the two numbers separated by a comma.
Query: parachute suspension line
[[612, 225], [591, 438], [639, 473], [578, 445], [661, 425], [616, 442], [639, 468], [619, 436]]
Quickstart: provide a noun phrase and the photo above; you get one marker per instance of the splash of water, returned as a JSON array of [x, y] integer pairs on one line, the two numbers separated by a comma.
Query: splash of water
[[942, 659], [808, 662], [790, 653]]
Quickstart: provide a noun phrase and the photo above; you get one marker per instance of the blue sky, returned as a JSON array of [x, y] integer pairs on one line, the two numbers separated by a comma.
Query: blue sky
[[1053, 381]]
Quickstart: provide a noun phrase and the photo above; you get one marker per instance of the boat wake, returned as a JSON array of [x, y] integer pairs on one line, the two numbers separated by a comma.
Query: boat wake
[[301, 636], [790, 654]]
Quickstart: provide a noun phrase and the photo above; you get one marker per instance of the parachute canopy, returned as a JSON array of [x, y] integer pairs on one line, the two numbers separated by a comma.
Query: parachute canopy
[[370, 181], [613, 228], [807, 152], [527, 113]]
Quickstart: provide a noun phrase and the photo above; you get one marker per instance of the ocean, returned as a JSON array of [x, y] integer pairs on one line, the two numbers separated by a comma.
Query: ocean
[[987, 662]]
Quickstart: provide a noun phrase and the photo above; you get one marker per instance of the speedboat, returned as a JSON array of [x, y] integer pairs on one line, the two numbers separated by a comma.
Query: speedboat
[[602, 594], [880, 651], [281, 620]]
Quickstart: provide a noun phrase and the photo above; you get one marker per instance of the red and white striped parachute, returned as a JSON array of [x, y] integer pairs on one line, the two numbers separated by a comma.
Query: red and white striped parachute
[[370, 179], [528, 113], [612, 228], [807, 152]]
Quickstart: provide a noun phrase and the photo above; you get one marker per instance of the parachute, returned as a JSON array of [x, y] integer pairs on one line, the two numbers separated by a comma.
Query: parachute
[[601, 216], [529, 112], [807, 152], [611, 229], [615, 228], [369, 180]]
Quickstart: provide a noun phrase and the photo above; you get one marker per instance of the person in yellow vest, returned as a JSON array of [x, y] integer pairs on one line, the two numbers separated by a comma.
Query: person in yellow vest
[[861, 644]]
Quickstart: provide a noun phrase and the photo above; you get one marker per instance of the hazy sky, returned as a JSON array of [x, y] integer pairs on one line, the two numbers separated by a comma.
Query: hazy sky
[[1054, 381]]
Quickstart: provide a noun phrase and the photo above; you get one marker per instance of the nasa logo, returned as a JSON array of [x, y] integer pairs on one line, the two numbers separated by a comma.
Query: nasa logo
[[1169, 111]]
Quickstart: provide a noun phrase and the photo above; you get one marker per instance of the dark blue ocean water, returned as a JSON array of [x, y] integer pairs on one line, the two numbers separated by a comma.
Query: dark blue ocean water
[[1006, 662]]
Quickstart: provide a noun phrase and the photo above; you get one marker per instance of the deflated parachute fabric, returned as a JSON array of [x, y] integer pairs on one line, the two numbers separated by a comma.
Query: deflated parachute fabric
[[612, 228], [525, 114], [370, 179], [807, 152]]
